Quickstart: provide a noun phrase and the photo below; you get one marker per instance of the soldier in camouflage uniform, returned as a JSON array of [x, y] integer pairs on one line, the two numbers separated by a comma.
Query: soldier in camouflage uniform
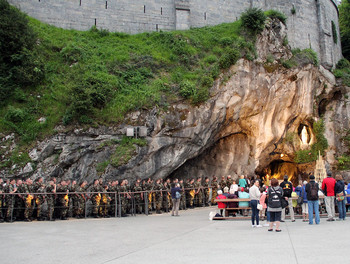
[[51, 194], [223, 183], [63, 199], [198, 192], [105, 202], [124, 197], [81, 198], [191, 193], [74, 197], [19, 201], [183, 196], [149, 187], [214, 188], [166, 197], [95, 197], [158, 187], [39, 200], [10, 199], [28, 199], [229, 181], [206, 191], [138, 196]]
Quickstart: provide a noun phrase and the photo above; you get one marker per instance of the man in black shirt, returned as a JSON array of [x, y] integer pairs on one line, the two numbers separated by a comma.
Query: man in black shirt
[[287, 192]]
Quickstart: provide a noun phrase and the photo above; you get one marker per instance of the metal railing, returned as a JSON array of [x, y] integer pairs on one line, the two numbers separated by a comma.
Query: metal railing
[[111, 204], [116, 204]]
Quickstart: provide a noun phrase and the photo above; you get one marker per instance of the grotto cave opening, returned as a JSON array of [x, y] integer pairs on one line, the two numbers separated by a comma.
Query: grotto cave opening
[[278, 168]]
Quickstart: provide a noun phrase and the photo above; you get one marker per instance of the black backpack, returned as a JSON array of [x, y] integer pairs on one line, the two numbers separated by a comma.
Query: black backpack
[[313, 192], [274, 199], [287, 189]]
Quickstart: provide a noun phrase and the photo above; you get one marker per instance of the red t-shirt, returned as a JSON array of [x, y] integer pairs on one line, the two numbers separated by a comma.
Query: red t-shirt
[[328, 185]]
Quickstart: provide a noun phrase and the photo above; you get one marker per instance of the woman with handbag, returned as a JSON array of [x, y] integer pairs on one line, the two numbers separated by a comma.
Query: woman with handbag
[[340, 196], [274, 206], [254, 195]]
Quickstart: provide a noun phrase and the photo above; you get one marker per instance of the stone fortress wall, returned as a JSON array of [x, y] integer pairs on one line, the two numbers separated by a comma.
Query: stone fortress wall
[[310, 26]]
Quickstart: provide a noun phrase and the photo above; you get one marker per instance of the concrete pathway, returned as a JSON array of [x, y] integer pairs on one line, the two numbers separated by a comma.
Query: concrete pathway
[[190, 238]]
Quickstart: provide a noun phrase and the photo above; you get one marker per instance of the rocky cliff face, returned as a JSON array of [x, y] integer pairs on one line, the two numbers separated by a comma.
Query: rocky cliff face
[[241, 129]]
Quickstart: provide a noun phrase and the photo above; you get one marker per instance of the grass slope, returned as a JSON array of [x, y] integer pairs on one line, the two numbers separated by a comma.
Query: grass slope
[[96, 77]]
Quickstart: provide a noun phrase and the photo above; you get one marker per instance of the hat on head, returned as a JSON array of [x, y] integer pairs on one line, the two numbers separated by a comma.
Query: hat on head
[[219, 192], [312, 177]]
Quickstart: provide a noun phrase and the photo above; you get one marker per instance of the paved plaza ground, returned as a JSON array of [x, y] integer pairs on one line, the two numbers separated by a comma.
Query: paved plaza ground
[[190, 238]]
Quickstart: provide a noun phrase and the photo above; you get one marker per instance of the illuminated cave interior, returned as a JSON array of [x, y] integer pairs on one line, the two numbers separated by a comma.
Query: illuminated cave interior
[[278, 168]]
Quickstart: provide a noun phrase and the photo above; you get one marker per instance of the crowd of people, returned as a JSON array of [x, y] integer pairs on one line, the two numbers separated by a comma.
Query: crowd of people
[[272, 202], [27, 200], [51, 200]]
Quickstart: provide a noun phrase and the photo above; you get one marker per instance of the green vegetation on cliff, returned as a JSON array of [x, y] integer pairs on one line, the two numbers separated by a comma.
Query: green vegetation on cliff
[[96, 77]]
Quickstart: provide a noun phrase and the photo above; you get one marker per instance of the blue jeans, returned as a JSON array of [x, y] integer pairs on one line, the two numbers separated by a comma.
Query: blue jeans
[[341, 209], [255, 211], [314, 207]]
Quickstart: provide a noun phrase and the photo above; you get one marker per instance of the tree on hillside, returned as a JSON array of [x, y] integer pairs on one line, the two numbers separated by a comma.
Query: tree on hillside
[[18, 66], [344, 21]]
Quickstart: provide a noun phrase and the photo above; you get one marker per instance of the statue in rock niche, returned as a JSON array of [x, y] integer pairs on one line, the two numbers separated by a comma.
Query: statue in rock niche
[[304, 136]]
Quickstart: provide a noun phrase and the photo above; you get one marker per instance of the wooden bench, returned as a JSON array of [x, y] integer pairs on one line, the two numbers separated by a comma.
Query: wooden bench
[[234, 208]]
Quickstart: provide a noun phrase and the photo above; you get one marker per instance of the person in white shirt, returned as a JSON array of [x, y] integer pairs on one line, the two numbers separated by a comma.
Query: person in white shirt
[[254, 194]]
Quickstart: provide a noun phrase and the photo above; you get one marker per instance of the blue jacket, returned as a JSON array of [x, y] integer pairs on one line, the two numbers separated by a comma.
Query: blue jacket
[[298, 190], [348, 192], [304, 194], [339, 187]]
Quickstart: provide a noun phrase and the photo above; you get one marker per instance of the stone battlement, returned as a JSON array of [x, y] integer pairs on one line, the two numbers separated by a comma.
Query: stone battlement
[[309, 26]]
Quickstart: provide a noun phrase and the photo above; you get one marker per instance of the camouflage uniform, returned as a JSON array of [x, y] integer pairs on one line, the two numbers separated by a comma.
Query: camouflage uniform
[[10, 201], [149, 188], [28, 201], [104, 205], [123, 199], [223, 184], [229, 182], [166, 198], [63, 200], [214, 194], [112, 189], [39, 200], [80, 196], [199, 194], [95, 199], [50, 201], [191, 194], [206, 192], [158, 196], [138, 195], [19, 205], [183, 198], [74, 196]]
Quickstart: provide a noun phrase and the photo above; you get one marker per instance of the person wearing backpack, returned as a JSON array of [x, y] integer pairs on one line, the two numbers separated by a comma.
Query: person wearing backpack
[[328, 185], [176, 197], [287, 192], [312, 200], [274, 205]]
